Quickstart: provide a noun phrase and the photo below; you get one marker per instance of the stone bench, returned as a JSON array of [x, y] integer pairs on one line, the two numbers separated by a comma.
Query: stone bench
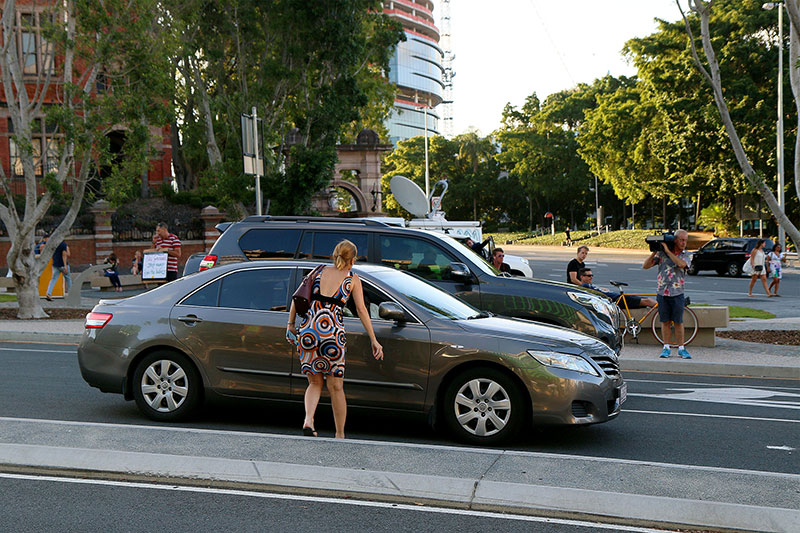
[[7, 283], [709, 319]]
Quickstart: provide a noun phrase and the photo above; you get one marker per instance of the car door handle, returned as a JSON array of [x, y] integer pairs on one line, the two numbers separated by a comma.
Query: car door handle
[[190, 319]]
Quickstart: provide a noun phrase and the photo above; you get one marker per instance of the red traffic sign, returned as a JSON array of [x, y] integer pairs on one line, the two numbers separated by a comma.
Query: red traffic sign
[[548, 215]]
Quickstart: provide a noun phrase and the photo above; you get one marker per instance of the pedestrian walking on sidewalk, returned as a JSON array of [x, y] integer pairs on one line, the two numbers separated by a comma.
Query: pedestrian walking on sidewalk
[[321, 341], [60, 268], [757, 267], [574, 266], [776, 259], [672, 265], [568, 239]]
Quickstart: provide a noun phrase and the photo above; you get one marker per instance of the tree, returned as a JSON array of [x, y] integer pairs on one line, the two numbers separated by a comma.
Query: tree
[[312, 67], [711, 73], [83, 43]]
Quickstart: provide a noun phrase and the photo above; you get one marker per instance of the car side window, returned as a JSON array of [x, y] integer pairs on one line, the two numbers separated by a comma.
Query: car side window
[[264, 289], [270, 243], [373, 298], [205, 297], [710, 246], [417, 256], [325, 242]]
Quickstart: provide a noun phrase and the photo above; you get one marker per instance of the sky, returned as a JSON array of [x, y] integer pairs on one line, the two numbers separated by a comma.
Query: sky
[[508, 49]]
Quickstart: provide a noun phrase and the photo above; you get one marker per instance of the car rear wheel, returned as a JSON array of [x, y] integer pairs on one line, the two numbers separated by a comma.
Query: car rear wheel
[[484, 406], [166, 386], [734, 270]]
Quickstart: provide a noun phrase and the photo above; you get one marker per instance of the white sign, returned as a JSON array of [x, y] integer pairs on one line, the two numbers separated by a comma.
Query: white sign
[[154, 265]]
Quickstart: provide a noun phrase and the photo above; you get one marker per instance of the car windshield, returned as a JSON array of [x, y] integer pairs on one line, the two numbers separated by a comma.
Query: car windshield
[[477, 259], [433, 299]]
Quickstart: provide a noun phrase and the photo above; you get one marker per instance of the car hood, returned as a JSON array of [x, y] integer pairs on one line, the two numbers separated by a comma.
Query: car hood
[[532, 336]]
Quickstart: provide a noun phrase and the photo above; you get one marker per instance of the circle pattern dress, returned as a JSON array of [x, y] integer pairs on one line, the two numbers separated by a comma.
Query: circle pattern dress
[[321, 341]]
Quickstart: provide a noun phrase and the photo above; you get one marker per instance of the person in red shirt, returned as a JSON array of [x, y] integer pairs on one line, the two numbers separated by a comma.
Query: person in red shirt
[[164, 241]]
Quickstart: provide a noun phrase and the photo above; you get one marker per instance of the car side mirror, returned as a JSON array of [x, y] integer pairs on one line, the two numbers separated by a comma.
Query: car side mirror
[[460, 272], [391, 311]]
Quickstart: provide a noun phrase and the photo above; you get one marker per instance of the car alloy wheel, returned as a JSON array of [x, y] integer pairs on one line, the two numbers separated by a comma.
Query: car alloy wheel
[[734, 269], [483, 406], [692, 270], [166, 386]]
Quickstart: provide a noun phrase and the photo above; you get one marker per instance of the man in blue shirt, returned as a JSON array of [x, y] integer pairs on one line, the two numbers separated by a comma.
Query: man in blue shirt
[[60, 267]]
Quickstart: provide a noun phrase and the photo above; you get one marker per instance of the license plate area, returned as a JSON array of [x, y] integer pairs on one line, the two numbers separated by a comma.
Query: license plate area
[[622, 393]]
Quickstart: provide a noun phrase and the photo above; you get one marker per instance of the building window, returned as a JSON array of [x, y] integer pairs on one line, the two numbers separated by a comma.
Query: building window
[[50, 140], [36, 53]]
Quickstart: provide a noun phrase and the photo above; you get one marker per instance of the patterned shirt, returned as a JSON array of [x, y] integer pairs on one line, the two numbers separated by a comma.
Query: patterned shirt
[[173, 243], [670, 277]]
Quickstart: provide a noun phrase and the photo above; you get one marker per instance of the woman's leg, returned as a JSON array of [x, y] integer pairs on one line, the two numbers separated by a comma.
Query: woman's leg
[[777, 283], [339, 404], [313, 393], [764, 283], [752, 282]]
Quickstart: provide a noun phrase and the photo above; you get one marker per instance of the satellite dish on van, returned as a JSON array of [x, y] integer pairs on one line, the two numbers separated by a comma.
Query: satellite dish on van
[[409, 195]]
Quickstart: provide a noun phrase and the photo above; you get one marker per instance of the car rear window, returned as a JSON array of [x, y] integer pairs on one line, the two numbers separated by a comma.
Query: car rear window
[[270, 243]]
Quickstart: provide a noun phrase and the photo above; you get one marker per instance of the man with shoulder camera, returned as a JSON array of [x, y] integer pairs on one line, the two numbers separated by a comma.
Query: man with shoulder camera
[[672, 261]]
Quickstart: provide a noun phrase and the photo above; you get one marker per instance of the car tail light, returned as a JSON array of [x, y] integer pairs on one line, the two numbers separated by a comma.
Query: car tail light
[[97, 320], [747, 255], [208, 262]]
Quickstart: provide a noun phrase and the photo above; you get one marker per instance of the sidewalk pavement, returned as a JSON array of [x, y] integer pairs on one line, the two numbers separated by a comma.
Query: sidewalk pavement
[[544, 484]]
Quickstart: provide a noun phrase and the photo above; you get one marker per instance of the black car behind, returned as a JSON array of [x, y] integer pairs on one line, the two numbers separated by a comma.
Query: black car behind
[[725, 255]]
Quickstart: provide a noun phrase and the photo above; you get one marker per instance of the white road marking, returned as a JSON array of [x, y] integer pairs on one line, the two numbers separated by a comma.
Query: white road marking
[[729, 395], [32, 350], [485, 451], [330, 501], [701, 384], [707, 415], [783, 448]]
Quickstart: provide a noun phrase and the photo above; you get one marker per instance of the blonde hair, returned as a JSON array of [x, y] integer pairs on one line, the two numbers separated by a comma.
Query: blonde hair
[[343, 254]]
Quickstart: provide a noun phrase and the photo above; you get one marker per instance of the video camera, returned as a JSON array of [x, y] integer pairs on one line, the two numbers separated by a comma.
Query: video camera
[[655, 241]]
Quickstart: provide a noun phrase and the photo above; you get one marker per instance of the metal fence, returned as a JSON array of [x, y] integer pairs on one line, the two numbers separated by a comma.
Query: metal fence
[[129, 228]]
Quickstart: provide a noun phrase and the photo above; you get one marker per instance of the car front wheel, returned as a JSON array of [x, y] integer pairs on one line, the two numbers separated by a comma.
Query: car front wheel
[[166, 386], [484, 406], [692, 270], [734, 269]]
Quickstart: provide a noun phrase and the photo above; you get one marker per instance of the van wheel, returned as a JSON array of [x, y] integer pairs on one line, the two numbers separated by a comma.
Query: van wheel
[[484, 406], [166, 386]]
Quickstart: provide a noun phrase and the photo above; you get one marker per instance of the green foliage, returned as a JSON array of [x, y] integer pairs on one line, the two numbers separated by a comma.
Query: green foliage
[[720, 217], [632, 239]]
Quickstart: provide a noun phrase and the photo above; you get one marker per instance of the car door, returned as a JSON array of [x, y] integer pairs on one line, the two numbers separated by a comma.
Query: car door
[[427, 260], [400, 380], [236, 326], [703, 259]]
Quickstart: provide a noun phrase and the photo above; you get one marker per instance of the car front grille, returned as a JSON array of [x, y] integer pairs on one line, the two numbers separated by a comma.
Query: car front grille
[[609, 365], [580, 409]]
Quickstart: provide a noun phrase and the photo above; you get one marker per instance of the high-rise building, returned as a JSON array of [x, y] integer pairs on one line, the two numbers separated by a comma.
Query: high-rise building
[[417, 70]]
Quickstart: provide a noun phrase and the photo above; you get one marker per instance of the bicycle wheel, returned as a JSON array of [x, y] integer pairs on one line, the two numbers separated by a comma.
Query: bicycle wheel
[[689, 327]]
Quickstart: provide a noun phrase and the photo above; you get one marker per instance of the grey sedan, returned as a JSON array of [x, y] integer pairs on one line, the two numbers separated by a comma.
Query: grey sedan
[[222, 332]]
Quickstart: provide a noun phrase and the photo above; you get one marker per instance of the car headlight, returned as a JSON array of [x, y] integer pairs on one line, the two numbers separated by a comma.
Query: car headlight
[[601, 305], [563, 360]]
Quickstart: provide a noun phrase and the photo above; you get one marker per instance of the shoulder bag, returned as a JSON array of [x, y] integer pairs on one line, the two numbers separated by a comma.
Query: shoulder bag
[[302, 296]]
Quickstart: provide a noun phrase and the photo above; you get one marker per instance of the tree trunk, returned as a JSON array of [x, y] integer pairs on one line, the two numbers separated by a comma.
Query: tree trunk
[[30, 305]]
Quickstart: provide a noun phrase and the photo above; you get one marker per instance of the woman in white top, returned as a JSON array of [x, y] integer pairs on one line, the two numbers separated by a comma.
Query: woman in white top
[[776, 258], [759, 269]]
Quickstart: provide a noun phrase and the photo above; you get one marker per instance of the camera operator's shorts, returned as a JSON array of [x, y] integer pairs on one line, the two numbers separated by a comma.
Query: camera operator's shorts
[[670, 308]]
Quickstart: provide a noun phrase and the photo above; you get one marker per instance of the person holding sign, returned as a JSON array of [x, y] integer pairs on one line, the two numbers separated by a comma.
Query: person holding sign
[[164, 241]]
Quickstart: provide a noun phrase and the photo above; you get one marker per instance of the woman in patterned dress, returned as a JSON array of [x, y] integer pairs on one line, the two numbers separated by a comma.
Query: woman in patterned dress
[[321, 341]]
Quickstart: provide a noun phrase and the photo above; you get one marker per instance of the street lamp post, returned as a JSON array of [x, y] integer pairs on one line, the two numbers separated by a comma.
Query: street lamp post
[[596, 204], [779, 159]]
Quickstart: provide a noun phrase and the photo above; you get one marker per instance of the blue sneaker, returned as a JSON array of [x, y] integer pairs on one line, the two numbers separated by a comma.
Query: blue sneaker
[[684, 354], [664, 353]]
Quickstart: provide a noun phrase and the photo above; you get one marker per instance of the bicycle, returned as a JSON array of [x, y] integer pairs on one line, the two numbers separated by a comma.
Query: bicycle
[[634, 327]]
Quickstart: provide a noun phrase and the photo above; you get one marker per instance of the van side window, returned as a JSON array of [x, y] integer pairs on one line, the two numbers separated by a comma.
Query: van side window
[[325, 242], [417, 256], [270, 243]]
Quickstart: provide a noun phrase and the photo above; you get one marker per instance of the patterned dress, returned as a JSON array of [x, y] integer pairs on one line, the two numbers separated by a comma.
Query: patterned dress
[[321, 339]]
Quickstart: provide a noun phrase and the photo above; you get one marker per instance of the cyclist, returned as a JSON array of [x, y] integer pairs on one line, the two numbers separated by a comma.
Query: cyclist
[[672, 266], [634, 302]]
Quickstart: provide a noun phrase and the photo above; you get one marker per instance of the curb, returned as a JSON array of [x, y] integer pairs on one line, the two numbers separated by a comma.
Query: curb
[[719, 369], [463, 493], [55, 338]]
